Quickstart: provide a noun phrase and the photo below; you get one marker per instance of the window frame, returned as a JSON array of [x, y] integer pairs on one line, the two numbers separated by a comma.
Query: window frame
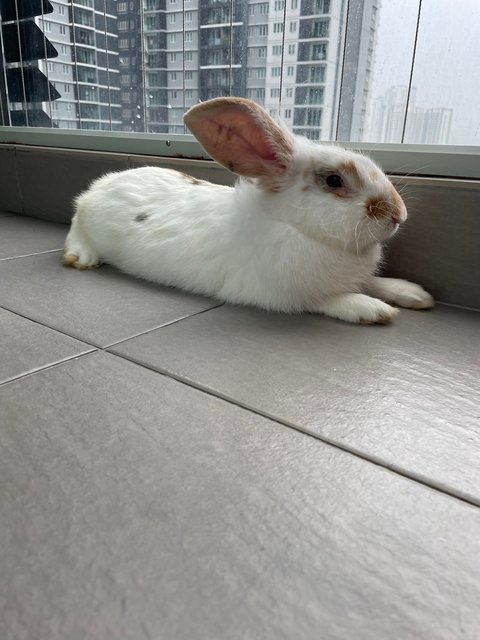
[[442, 161]]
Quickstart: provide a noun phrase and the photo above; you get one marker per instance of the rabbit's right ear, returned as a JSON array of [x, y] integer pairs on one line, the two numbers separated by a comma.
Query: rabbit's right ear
[[241, 136]]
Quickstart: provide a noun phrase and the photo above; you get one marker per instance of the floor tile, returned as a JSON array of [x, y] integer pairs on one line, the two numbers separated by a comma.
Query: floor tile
[[134, 506], [26, 346], [21, 236], [100, 306], [406, 394]]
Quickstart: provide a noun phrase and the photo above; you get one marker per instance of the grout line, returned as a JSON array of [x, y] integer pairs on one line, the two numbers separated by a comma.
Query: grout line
[[113, 344], [28, 255], [167, 324], [412, 476], [47, 367]]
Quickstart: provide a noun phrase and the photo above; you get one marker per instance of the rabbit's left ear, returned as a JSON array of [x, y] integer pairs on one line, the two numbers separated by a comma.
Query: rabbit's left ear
[[241, 136]]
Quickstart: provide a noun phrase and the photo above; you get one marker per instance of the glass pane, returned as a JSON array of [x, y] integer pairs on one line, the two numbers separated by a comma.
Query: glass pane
[[444, 104], [137, 65]]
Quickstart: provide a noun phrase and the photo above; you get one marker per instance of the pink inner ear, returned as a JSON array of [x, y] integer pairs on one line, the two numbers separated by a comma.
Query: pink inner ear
[[241, 136]]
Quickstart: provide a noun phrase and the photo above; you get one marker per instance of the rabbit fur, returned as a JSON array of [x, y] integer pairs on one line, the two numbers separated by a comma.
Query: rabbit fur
[[301, 231]]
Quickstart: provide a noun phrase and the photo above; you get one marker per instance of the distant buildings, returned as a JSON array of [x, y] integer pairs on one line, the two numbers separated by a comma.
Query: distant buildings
[[423, 125]]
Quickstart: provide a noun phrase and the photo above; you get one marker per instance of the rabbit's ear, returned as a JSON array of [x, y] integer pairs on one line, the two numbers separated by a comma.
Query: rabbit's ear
[[241, 136]]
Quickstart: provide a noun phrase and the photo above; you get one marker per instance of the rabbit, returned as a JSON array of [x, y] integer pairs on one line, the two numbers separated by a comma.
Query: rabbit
[[301, 231]]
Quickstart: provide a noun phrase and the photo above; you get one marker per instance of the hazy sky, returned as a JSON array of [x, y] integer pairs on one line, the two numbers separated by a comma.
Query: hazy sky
[[447, 63]]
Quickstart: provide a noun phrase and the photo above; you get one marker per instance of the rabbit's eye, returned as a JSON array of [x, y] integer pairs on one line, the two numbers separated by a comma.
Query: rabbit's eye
[[334, 181]]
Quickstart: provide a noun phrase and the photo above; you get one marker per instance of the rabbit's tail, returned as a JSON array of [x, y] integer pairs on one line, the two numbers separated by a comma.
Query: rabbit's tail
[[78, 251]]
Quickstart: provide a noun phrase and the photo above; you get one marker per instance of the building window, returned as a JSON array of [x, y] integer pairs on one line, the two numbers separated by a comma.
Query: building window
[[188, 75], [261, 94], [278, 27], [314, 117], [263, 30], [262, 52], [294, 4], [323, 6], [317, 74], [319, 52], [290, 71], [122, 7], [263, 8], [50, 67], [123, 43], [289, 92], [293, 27], [173, 75], [188, 56], [277, 50], [65, 69], [188, 16], [63, 30], [288, 113], [279, 5], [173, 18], [291, 49], [274, 93], [320, 29], [315, 95], [251, 31], [61, 9], [47, 26], [251, 10], [173, 57], [189, 36], [276, 72], [172, 37], [189, 93], [261, 72]]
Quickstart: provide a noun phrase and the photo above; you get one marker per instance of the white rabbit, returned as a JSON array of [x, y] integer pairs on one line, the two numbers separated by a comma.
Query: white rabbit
[[302, 231]]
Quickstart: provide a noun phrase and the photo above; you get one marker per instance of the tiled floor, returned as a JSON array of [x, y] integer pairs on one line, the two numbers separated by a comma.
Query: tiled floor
[[172, 468]]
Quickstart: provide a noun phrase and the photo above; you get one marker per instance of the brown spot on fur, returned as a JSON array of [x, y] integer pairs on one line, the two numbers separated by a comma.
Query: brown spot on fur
[[306, 187], [191, 179], [350, 169], [374, 175]]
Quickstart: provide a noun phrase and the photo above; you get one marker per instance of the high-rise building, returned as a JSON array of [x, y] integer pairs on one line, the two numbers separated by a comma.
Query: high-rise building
[[86, 70], [138, 65]]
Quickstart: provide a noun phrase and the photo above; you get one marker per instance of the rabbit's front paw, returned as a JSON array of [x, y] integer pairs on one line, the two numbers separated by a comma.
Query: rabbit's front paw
[[405, 294], [360, 309]]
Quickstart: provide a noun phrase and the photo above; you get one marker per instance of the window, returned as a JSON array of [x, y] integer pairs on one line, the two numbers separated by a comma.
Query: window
[[288, 113], [275, 93], [189, 93], [261, 94], [395, 99], [319, 52]]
